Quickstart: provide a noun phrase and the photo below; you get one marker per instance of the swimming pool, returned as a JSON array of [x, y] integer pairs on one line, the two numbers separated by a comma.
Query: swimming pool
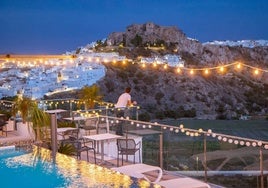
[[36, 170]]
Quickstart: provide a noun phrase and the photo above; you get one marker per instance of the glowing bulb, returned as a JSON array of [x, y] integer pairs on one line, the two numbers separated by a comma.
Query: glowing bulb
[[178, 70], [221, 69], [238, 66], [256, 72], [192, 71], [206, 71]]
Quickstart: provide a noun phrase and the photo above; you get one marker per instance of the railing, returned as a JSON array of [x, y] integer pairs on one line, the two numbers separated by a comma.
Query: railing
[[208, 152], [212, 156]]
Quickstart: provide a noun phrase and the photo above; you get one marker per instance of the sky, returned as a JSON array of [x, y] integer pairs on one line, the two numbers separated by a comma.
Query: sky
[[58, 26]]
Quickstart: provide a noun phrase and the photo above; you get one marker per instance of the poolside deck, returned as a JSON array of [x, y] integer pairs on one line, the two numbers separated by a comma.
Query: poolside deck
[[12, 138]]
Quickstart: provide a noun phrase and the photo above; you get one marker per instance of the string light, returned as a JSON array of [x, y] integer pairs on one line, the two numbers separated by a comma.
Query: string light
[[37, 60]]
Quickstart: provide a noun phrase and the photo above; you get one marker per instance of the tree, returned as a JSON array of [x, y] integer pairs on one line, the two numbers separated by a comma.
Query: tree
[[89, 95], [29, 111], [137, 41]]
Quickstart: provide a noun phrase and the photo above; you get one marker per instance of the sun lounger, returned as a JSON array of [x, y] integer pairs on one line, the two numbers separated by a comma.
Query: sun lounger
[[183, 182], [138, 170]]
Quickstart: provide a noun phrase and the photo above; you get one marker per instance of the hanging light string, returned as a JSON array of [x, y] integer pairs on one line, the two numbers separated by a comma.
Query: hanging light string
[[6, 103], [210, 68], [193, 132], [92, 59], [187, 131]]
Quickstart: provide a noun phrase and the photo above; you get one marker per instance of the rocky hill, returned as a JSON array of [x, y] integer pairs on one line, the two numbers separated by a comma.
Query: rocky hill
[[165, 93]]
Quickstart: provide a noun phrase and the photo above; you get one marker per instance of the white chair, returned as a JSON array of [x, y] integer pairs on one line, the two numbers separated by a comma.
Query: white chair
[[8, 126], [183, 182], [138, 170]]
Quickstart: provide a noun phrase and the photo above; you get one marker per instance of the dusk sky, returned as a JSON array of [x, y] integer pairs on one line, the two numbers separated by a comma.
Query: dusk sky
[[57, 26]]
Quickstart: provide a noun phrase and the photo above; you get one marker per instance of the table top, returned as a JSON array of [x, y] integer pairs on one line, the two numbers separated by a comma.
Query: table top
[[75, 118], [55, 111], [99, 137], [63, 129]]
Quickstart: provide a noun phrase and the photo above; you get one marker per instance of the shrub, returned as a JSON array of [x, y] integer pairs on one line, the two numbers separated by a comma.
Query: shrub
[[158, 96], [144, 117]]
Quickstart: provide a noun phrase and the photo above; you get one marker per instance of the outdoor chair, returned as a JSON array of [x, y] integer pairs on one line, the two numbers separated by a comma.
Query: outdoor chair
[[184, 182], [127, 147], [69, 133], [141, 171], [2, 126], [90, 124], [80, 145]]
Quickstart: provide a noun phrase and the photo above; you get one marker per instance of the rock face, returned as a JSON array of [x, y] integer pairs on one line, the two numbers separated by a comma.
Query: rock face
[[152, 33], [192, 51], [218, 96]]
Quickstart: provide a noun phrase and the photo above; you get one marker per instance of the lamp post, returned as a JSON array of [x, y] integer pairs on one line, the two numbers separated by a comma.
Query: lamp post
[[205, 156], [261, 168], [54, 136]]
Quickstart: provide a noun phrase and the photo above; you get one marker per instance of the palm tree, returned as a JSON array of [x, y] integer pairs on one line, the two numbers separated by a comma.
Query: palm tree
[[89, 95], [29, 111]]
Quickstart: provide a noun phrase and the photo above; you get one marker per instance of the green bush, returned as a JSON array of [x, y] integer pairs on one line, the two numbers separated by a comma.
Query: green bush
[[144, 117]]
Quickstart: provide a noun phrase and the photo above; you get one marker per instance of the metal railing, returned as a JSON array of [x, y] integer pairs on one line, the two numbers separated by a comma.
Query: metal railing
[[213, 156]]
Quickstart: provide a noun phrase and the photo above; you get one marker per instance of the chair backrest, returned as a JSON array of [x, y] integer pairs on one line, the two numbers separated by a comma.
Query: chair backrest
[[124, 144], [73, 133], [91, 123]]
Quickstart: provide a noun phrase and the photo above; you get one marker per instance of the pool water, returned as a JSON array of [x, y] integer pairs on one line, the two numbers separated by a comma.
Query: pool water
[[36, 170]]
